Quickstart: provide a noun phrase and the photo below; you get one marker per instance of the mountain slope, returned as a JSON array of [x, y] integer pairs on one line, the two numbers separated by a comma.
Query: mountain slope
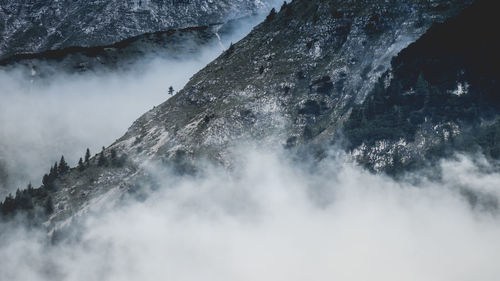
[[131, 52], [293, 80], [441, 94], [36, 26], [119, 56], [295, 76]]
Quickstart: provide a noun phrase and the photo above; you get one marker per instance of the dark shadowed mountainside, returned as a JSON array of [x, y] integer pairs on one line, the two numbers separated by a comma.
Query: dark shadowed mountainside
[[442, 94]]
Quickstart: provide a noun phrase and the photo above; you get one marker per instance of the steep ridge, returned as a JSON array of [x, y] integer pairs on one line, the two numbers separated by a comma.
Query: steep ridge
[[293, 80], [37, 26], [295, 77]]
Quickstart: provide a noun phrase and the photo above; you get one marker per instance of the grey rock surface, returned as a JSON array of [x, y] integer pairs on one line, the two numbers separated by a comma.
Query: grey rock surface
[[294, 77], [121, 56], [37, 26]]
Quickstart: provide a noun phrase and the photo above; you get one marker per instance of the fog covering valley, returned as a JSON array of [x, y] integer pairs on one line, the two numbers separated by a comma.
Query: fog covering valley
[[65, 113], [273, 218], [245, 173], [39, 123]]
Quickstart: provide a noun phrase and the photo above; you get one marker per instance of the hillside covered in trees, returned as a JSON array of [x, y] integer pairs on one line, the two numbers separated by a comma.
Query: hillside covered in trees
[[447, 77]]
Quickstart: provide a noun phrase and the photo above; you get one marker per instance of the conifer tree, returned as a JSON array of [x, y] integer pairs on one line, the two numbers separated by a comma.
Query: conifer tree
[[45, 180], [102, 161], [114, 158], [271, 15], [63, 166], [81, 166], [54, 171], [8, 206], [283, 7], [87, 156]]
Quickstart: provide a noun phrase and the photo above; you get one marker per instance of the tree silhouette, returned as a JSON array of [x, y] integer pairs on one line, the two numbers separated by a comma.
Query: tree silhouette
[[271, 15], [87, 156], [63, 166], [102, 160], [81, 166], [46, 180]]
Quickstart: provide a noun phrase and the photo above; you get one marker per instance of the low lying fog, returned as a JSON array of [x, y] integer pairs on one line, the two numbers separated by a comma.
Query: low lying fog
[[271, 219], [72, 112], [43, 120]]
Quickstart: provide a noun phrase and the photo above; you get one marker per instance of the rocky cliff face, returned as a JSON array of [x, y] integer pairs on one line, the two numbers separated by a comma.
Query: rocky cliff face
[[36, 26], [293, 81]]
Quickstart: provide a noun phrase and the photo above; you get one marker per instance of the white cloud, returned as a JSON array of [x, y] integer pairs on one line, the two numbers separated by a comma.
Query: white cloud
[[272, 219], [65, 114]]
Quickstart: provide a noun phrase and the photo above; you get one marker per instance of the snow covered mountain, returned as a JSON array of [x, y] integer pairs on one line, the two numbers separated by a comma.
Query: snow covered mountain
[[340, 139], [312, 74], [37, 26]]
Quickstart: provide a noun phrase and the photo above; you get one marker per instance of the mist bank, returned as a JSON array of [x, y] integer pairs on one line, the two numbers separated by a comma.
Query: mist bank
[[126, 55], [274, 218], [65, 113], [64, 116]]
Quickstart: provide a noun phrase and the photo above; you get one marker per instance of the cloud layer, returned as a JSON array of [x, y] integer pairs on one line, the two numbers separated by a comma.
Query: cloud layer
[[273, 219], [65, 114], [40, 121]]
